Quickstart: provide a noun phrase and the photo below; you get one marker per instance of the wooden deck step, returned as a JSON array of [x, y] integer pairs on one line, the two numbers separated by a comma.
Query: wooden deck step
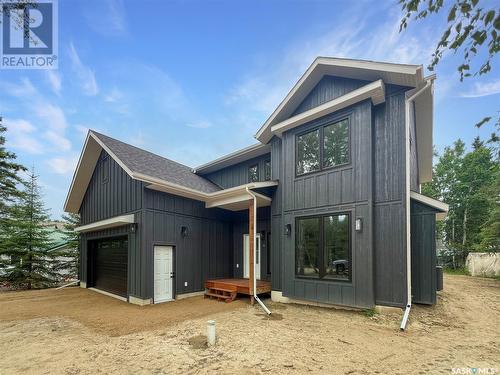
[[222, 296]]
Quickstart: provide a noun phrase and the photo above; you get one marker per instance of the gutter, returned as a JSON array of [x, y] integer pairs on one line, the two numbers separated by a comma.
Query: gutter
[[428, 83], [254, 197]]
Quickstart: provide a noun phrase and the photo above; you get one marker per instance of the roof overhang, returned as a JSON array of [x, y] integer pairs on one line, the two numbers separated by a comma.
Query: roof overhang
[[233, 158], [234, 199], [374, 91], [431, 202], [116, 221], [397, 74]]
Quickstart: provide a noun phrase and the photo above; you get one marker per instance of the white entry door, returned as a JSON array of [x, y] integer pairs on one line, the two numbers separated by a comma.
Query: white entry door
[[163, 273], [246, 257]]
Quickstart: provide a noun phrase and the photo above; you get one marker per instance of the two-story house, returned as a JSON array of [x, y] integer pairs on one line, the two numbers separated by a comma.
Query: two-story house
[[329, 200]]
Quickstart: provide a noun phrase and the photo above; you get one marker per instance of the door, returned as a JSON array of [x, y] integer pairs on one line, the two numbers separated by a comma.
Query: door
[[163, 273], [246, 257], [109, 259]]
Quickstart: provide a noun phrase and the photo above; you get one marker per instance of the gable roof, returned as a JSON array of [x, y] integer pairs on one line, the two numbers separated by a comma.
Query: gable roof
[[389, 73], [137, 163]]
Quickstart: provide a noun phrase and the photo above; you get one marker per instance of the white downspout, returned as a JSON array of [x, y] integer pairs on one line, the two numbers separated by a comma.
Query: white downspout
[[254, 197], [409, 100]]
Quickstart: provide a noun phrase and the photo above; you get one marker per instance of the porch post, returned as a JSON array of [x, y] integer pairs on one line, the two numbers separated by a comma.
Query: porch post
[[251, 236]]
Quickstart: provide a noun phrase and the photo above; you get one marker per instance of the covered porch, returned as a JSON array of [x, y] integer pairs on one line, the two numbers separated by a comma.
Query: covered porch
[[251, 241]]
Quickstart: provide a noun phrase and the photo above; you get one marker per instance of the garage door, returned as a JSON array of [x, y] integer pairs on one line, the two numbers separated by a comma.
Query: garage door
[[110, 258]]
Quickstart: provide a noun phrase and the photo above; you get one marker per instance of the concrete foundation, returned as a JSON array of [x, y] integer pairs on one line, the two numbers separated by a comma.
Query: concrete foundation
[[139, 301], [388, 310], [83, 284], [277, 296], [189, 295]]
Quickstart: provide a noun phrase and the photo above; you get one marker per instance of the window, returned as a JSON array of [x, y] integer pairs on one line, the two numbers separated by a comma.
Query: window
[[267, 170], [323, 249], [323, 148], [253, 173]]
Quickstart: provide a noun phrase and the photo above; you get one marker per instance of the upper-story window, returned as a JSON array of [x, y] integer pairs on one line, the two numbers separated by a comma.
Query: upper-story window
[[253, 173], [267, 170], [325, 147]]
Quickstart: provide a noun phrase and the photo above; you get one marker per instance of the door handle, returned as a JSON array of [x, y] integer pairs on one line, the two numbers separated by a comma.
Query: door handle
[[172, 275]]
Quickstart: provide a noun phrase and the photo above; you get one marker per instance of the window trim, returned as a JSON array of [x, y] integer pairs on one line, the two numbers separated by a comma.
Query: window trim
[[321, 127], [321, 255], [256, 166]]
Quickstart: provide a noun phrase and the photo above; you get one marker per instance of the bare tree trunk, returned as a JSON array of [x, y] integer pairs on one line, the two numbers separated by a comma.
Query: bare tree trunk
[[464, 235]]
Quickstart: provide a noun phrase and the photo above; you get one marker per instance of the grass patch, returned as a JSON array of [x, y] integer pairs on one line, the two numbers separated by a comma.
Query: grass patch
[[369, 313], [456, 271]]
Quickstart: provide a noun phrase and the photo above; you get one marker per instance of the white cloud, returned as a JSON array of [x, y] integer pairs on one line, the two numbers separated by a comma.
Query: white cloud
[[483, 89], [108, 17], [203, 124], [23, 90], [54, 79], [55, 125], [64, 165], [20, 136], [113, 96], [85, 75]]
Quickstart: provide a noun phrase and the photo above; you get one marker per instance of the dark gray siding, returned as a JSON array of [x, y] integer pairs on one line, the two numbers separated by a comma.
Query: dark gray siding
[[328, 88], [276, 213], [347, 188], [240, 227], [237, 174], [423, 253], [118, 194], [206, 252], [390, 200]]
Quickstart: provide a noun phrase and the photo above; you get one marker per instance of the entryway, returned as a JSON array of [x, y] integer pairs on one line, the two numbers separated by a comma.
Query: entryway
[[163, 273], [246, 256]]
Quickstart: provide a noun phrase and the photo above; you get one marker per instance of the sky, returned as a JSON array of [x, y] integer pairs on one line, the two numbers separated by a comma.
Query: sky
[[194, 80]]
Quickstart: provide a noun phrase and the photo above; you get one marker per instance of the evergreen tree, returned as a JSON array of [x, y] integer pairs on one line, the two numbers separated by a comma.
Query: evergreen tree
[[9, 175], [68, 258], [28, 240]]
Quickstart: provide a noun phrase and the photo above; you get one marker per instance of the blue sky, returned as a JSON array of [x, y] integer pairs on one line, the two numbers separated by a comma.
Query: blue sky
[[193, 80]]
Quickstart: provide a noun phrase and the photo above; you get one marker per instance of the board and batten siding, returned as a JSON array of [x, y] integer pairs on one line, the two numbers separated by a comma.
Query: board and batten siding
[[390, 199], [237, 174], [207, 250], [276, 214], [110, 193], [345, 188], [414, 179]]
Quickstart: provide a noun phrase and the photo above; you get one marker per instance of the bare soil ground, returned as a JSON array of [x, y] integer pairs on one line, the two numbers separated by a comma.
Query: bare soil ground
[[77, 331]]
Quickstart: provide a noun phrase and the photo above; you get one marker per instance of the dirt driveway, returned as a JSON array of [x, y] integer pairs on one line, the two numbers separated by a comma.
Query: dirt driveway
[[81, 332]]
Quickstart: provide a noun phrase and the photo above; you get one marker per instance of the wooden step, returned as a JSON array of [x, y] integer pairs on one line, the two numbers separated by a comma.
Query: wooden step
[[223, 289], [222, 296]]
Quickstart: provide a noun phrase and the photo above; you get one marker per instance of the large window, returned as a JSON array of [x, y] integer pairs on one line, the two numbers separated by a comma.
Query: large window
[[253, 173], [323, 148], [322, 247]]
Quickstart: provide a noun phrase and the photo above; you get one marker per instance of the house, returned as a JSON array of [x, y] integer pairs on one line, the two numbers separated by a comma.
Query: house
[[330, 195]]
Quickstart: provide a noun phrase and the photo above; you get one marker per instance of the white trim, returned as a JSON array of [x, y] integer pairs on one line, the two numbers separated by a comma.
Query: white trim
[[235, 157], [374, 91], [107, 223], [108, 294], [400, 74], [438, 205]]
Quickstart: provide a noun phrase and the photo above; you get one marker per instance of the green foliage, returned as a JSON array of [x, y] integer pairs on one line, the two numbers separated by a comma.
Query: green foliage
[[68, 257], [9, 176], [369, 313], [468, 182], [456, 271], [26, 241]]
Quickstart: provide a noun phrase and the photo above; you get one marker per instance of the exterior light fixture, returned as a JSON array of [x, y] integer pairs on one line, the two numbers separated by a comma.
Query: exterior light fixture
[[359, 224], [288, 229], [184, 232], [133, 227]]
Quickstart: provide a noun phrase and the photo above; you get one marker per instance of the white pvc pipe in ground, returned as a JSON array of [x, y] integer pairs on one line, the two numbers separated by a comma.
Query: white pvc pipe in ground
[[211, 333]]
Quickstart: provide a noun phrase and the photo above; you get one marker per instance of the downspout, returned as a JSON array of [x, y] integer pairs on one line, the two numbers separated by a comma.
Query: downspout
[[409, 100], [254, 197]]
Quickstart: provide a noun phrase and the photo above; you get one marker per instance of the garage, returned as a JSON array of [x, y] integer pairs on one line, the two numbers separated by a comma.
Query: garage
[[108, 264]]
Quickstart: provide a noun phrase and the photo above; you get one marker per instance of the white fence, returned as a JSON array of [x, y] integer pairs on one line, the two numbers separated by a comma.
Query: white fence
[[483, 264]]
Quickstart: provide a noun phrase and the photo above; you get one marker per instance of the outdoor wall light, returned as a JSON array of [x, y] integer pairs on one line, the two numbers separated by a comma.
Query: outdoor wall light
[[184, 232], [359, 224], [288, 229], [133, 227]]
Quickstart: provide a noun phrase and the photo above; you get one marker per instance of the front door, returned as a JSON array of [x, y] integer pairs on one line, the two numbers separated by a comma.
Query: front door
[[246, 257], [163, 273]]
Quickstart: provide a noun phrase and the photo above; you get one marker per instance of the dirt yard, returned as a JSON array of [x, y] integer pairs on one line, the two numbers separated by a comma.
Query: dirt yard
[[77, 331]]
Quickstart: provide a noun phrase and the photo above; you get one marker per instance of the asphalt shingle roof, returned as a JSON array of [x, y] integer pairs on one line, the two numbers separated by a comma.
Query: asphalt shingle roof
[[145, 162]]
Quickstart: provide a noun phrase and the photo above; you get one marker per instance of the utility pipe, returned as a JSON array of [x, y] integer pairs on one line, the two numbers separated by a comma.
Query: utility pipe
[[409, 100], [254, 197]]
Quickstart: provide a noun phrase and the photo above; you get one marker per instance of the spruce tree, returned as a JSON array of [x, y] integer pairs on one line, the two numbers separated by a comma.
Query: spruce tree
[[67, 261], [27, 241]]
